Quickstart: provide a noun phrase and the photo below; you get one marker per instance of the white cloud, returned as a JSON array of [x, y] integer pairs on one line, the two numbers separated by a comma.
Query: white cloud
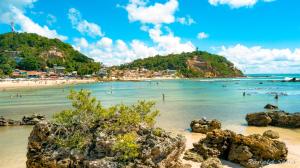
[[152, 18], [13, 10], [117, 52], [234, 3], [114, 52], [27, 25], [83, 26], [154, 14], [168, 43], [186, 20], [202, 35], [263, 60]]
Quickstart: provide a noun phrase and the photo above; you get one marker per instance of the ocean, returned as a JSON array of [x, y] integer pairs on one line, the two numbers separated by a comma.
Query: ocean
[[185, 100]]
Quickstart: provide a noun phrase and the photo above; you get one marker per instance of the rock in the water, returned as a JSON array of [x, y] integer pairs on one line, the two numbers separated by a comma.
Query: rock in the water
[[271, 107], [258, 119], [250, 151], [8, 122], [203, 126], [32, 120], [156, 149], [292, 80], [271, 134], [212, 163], [274, 118]]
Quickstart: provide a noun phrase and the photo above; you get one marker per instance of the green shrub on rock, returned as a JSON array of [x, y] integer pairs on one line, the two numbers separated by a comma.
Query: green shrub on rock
[[78, 124], [126, 147]]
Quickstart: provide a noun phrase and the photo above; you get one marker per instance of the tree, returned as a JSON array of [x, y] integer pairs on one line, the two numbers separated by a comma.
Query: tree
[[31, 63], [7, 64]]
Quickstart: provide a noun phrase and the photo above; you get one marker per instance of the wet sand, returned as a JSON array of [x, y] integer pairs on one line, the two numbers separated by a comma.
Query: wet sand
[[14, 155]]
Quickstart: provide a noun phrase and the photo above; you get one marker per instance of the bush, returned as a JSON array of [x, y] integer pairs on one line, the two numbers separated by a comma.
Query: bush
[[88, 114], [126, 147]]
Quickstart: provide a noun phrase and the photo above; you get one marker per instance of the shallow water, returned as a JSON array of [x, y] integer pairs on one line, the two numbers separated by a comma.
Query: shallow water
[[185, 100]]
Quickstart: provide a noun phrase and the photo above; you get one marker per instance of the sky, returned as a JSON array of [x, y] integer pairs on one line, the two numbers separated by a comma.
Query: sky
[[258, 36]]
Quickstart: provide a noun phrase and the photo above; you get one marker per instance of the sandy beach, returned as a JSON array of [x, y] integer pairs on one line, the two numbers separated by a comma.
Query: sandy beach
[[22, 84]]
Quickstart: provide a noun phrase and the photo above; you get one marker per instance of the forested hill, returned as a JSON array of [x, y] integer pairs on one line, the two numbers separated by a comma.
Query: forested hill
[[29, 51], [194, 64]]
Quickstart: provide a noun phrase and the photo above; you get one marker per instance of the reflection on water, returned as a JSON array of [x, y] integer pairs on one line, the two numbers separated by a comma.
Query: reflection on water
[[185, 100]]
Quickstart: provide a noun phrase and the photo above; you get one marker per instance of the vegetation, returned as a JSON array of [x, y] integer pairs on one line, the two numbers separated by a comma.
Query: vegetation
[[217, 65], [33, 52], [7, 65], [126, 146], [118, 121]]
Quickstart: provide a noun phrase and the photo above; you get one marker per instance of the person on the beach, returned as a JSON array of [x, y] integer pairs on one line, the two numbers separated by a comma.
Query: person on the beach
[[163, 96]]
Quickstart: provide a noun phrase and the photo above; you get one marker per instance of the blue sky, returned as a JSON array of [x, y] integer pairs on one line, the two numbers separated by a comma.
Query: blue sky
[[259, 36]]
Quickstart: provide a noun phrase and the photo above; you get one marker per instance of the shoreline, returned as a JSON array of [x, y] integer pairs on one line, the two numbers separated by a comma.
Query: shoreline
[[41, 83]]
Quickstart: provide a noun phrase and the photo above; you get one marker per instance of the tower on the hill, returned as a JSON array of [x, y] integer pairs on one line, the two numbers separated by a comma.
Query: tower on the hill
[[12, 26]]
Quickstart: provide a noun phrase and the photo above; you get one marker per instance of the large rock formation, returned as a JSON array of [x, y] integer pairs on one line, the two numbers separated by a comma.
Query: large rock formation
[[26, 120], [251, 151], [274, 118], [157, 148], [203, 126]]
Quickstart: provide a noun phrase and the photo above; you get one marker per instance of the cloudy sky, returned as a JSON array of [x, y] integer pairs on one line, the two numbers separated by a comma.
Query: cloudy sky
[[259, 36]]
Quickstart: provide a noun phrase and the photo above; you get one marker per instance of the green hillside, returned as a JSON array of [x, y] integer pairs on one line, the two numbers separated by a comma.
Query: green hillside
[[191, 65], [29, 51]]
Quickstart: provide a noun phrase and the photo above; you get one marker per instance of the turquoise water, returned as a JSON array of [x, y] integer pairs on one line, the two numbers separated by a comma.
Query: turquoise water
[[185, 100]]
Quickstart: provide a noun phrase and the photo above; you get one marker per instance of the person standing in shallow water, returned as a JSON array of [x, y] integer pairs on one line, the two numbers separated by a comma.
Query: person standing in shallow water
[[163, 96], [276, 96]]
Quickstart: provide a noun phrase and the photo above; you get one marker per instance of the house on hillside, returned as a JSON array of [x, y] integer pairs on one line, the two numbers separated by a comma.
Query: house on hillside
[[59, 70]]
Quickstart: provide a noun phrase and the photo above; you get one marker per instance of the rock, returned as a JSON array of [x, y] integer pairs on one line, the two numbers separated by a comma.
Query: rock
[[292, 80], [274, 118], [32, 120], [193, 156], [3, 121], [271, 134], [204, 126], [8, 122], [258, 119], [156, 150], [251, 151], [212, 163], [271, 107]]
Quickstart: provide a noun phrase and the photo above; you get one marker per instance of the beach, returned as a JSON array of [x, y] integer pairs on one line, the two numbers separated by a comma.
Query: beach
[[17, 84], [185, 100]]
